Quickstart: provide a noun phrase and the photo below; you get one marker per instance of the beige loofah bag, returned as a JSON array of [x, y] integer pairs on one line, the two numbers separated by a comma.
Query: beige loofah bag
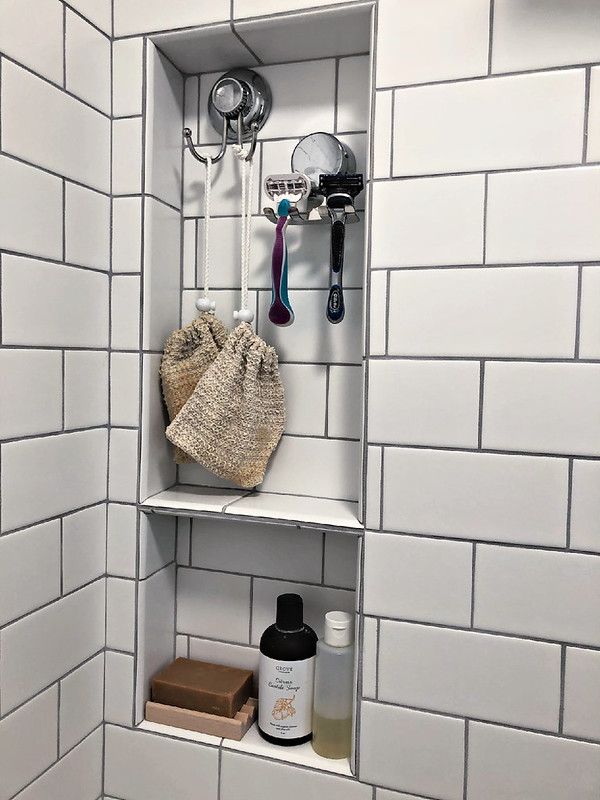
[[189, 352], [235, 416]]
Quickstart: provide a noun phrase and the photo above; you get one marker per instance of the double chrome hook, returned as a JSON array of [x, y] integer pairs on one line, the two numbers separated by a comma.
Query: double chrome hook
[[241, 95], [187, 133]]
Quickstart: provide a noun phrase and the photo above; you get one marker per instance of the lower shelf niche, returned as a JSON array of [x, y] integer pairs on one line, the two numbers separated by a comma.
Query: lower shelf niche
[[214, 600], [303, 755]]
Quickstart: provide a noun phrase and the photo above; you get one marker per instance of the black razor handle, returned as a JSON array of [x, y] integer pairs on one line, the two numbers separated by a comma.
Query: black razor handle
[[335, 301]]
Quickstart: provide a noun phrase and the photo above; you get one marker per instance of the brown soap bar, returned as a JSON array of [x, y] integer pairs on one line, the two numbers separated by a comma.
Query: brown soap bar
[[200, 686]]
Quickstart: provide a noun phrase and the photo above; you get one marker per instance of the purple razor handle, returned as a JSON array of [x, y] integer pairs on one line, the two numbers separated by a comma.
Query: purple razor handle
[[280, 312]]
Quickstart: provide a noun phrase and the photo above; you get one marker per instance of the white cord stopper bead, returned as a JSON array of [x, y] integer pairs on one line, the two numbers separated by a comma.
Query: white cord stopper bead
[[204, 304], [244, 315]]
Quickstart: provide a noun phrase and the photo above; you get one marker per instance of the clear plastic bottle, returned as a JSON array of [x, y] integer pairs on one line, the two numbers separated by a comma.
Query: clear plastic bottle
[[334, 687]]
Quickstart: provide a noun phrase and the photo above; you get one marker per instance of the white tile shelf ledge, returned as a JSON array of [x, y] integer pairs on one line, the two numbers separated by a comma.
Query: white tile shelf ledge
[[303, 755], [199, 501]]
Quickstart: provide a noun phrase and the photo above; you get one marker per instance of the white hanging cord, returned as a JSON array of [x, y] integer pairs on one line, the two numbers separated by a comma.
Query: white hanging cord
[[245, 314], [203, 303]]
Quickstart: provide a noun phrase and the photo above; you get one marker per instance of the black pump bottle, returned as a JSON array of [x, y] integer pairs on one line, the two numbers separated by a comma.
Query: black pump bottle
[[286, 675]]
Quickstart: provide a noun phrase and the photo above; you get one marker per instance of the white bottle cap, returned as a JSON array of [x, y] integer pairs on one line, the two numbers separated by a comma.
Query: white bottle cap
[[338, 629]]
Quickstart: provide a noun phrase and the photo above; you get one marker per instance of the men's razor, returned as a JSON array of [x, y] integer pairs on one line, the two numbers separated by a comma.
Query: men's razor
[[339, 192], [285, 191]]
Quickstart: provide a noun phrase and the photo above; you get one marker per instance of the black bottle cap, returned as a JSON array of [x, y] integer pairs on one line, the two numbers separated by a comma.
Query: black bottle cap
[[290, 612]]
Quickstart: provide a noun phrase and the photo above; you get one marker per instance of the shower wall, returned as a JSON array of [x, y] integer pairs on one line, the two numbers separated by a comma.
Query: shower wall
[[55, 106], [479, 599], [482, 574]]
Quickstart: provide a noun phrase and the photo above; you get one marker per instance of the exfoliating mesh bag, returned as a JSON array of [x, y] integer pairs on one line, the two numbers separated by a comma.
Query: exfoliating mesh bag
[[235, 416], [188, 353]]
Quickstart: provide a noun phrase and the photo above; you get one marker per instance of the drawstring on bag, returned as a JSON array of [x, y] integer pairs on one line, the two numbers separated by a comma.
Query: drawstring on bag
[[235, 416], [244, 314], [190, 350], [203, 303]]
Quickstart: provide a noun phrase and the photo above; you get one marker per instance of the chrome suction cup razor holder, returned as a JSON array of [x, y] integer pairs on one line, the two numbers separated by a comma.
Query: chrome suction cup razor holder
[[238, 106]]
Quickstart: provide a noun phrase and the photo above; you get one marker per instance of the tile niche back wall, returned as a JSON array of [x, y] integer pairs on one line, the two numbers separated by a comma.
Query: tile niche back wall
[[321, 364], [55, 182]]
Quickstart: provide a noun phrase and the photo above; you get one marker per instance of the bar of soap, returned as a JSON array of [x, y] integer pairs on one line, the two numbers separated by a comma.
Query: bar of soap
[[200, 686]]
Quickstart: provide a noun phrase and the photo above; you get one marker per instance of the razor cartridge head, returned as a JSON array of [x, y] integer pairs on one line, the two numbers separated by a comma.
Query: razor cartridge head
[[294, 186], [350, 184]]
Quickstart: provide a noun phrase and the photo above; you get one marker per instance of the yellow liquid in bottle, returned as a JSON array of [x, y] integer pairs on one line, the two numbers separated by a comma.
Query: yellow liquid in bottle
[[332, 737]]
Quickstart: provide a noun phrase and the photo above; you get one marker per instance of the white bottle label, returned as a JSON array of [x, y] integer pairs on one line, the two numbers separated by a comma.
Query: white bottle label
[[285, 697]]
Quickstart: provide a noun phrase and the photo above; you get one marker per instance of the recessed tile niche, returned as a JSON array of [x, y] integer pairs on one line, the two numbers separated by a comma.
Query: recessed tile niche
[[237, 550]]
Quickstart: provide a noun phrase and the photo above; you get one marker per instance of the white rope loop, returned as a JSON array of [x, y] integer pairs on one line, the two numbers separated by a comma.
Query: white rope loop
[[203, 303], [247, 168]]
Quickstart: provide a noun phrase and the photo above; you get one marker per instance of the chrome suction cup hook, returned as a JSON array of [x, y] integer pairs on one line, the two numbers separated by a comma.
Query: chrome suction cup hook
[[238, 106], [187, 133]]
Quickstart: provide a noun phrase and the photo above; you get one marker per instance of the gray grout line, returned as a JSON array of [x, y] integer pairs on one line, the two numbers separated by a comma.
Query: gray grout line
[[143, 187], [388, 279], [58, 698], [586, 114], [488, 450], [485, 218], [63, 389], [68, 673], [250, 609], [64, 43], [381, 488], [62, 559], [50, 434], [55, 601], [569, 504], [481, 402], [54, 174], [336, 90], [1, 71], [261, 577], [506, 170], [235, 32], [59, 262], [393, 124], [57, 86], [543, 548], [517, 636], [473, 576], [488, 266], [565, 360], [490, 37], [578, 311], [54, 763], [377, 657], [220, 757], [485, 721], [366, 343], [563, 669], [486, 77], [466, 760], [78, 13]]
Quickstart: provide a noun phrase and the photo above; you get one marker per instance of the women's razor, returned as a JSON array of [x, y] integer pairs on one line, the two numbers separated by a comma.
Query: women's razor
[[285, 191], [339, 192]]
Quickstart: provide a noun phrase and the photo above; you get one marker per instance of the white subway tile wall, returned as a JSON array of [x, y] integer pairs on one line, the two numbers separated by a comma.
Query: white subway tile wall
[[482, 474], [55, 243], [481, 425]]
